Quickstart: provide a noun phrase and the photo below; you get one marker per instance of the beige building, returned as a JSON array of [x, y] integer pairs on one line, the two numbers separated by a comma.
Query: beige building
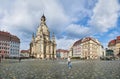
[[88, 48], [25, 53], [115, 45], [41, 46], [61, 53]]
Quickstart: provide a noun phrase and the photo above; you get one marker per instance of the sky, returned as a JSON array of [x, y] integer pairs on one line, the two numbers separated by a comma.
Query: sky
[[70, 20]]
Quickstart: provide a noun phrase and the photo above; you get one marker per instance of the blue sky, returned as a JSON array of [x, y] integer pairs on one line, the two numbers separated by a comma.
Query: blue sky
[[70, 20]]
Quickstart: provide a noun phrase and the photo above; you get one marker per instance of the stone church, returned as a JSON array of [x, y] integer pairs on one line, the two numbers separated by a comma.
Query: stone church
[[41, 45]]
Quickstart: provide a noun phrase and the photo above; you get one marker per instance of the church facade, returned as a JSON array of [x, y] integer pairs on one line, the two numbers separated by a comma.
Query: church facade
[[41, 45]]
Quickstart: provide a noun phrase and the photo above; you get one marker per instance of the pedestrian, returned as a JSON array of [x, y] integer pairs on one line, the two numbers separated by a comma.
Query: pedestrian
[[0, 58], [69, 63], [19, 59]]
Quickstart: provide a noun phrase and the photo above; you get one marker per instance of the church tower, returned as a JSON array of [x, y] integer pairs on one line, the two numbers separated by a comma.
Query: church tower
[[41, 45]]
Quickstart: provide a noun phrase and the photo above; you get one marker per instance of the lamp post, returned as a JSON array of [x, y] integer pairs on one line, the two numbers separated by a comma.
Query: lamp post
[[53, 51], [0, 58]]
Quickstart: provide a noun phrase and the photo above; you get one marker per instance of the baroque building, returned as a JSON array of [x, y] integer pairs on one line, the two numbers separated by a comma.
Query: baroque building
[[41, 45], [88, 48], [115, 45]]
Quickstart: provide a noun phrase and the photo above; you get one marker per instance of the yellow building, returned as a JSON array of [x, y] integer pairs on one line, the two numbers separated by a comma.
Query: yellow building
[[41, 46], [88, 48], [115, 45], [91, 48]]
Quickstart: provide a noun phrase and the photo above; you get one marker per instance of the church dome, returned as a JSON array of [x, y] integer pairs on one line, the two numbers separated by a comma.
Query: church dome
[[43, 18]]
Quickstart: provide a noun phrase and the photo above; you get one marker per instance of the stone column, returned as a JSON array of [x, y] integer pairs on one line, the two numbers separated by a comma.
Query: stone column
[[54, 50], [51, 50], [47, 51]]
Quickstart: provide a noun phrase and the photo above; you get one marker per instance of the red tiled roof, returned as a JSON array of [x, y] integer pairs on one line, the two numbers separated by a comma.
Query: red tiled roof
[[62, 50], [84, 40], [5, 36], [24, 51], [112, 41], [118, 37], [77, 42], [115, 41]]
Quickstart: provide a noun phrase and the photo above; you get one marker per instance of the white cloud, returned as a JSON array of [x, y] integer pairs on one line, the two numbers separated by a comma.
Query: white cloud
[[17, 16], [113, 35], [75, 30], [65, 43], [54, 12], [26, 14], [110, 37], [105, 15], [22, 17]]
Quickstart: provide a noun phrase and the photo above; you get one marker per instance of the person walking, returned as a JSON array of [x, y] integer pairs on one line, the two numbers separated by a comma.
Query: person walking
[[19, 59], [69, 63], [0, 58]]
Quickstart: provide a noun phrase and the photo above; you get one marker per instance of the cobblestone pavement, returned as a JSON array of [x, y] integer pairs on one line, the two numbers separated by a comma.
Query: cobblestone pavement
[[57, 69]]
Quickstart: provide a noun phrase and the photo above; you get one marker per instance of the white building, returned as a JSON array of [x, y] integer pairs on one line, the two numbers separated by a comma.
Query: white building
[[14, 49], [61, 53]]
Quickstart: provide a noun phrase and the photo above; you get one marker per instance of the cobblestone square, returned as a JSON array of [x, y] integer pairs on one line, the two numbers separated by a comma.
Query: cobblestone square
[[57, 69]]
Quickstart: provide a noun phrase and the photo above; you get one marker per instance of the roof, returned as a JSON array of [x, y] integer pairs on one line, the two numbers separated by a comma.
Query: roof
[[77, 42], [118, 37], [114, 41], [43, 17], [85, 40], [24, 51], [62, 50], [6, 36]]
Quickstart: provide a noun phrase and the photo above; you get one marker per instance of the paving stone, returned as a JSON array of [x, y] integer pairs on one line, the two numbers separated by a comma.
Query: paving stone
[[48, 69]]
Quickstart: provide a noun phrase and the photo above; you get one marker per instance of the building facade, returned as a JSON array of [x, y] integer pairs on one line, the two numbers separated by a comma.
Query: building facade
[[89, 48], [25, 53], [115, 45], [9, 45], [77, 48], [41, 46], [61, 53]]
